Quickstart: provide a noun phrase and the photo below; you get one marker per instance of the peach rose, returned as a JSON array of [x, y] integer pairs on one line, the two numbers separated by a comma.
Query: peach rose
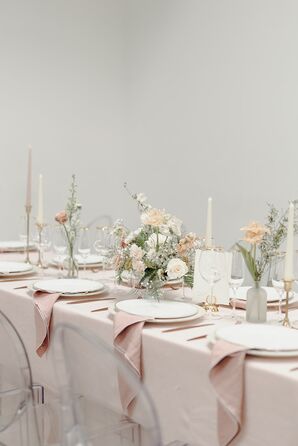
[[153, 217], [61, 217], [254, 232]]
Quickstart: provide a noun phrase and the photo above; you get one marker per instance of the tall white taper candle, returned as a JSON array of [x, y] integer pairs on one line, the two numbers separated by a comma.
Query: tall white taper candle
[[288, 275]]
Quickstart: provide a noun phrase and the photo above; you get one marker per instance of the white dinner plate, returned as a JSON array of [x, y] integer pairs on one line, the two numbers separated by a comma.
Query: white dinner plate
[[200, 313], [261, 339], [69, 286], [15, 268], [14, 246], [272, 295], [164, 309]]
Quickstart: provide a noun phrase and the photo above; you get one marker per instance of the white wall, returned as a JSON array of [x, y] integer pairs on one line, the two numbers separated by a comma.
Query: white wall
[[181, 98]]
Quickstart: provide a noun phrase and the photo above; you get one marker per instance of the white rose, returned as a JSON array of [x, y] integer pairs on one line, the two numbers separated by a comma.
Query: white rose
[[153, 239], [176, 269], [136, 252]]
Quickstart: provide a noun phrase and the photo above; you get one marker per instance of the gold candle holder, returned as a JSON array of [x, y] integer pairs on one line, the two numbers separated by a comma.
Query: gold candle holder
[[28, 212], [288, 284], [40, 227]]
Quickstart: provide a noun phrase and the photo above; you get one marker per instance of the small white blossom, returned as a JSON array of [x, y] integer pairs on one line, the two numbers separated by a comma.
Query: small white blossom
[[153, 240], [141, 198], [136, 253]]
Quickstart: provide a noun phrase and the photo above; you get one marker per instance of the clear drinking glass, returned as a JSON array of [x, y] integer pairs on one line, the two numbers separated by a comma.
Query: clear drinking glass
[[45, 244], [60, 247], [278, 281], [236, 276], [212, 266], [84, 248]]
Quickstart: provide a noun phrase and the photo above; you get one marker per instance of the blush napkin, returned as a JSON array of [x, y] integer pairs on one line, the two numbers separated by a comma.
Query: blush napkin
[[128, 342], [227, 378], [43, 304]]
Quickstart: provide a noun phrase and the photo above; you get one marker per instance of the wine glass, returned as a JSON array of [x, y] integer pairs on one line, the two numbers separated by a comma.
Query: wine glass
[[84, 245], [278, 281], [104, 243], [236, 276], [45, 244], [212, 266], [60, 247], [23, 231]]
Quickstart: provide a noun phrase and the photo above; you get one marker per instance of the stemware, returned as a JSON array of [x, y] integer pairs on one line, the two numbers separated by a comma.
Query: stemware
[[278, 281], [236, 276], [23, 231], [212, 266], [84, 245], [60, 247], [45, 244]]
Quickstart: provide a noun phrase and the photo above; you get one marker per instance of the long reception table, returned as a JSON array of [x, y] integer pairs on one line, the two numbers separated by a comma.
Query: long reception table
[[175, 372]]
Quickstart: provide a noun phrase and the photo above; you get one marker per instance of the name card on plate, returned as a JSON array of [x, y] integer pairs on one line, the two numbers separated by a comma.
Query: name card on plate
[[201, 288]]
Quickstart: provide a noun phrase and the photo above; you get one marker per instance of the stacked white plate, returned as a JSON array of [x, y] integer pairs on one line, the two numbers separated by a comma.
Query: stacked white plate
[[15, 269], [70, 287], [92, 260], [272, 294], [164, 311], [15, 246], [260, 339]]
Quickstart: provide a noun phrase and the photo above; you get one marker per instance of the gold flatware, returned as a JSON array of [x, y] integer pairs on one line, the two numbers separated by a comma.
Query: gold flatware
[[20, 287], [169, 330], [100, 309], [82, 301], [197, 337]]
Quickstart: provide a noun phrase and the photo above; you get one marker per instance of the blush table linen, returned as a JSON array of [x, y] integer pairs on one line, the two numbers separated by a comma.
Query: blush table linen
[[176, 373]]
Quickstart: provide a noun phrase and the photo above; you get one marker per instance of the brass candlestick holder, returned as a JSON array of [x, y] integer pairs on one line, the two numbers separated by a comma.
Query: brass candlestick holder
[[288, 284], [28, 212], [40, 228]]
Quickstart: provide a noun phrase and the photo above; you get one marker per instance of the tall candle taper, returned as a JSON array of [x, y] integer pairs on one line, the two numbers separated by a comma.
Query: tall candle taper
[[28, 205], [288, 273], [208, 238]]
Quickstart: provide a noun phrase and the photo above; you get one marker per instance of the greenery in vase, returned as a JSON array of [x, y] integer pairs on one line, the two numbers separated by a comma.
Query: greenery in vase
[[265, 240], [157, 251], [70, 221]]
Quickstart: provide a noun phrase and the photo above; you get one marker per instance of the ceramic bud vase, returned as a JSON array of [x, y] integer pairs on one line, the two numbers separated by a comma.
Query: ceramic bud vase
[[256, 304]]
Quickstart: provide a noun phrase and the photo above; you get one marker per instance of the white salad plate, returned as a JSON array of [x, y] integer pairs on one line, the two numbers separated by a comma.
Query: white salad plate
[[200, 313], [69, 287], [15, 269], [164, 309], [260, 339], [272, 294], [14, 246]]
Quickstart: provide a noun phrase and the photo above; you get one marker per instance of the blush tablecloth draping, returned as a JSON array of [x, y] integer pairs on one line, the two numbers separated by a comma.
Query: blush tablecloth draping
[[176, 374]]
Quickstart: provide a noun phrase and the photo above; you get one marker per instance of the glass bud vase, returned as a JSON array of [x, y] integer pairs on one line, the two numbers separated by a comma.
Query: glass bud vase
[[256, 304], [72, 266]]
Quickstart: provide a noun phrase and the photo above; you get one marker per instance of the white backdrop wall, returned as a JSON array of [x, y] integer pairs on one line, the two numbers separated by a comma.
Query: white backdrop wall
[[184, 99]]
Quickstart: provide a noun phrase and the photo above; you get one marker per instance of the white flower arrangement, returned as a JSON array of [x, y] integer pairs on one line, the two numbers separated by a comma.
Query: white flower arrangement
[[157, 250]]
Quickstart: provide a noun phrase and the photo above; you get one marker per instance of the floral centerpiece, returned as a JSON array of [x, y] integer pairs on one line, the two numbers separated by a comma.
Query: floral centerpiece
[[69, 219], [156, 252]]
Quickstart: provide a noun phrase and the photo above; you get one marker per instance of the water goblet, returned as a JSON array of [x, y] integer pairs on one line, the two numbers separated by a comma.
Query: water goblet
[[236, 276], [84, 245], [212, 266], [278, 281]]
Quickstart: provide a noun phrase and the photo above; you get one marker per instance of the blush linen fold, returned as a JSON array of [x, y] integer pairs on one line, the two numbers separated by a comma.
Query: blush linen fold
[[227, 378], [43, 307], [128, 342]]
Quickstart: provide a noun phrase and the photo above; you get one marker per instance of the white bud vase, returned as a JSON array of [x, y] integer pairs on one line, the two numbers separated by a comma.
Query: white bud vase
[[256, 304]]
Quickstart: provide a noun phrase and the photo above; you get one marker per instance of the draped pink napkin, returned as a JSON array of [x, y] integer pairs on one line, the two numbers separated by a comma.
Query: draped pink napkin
[[128, 341], [227, 378], [43, 303]]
